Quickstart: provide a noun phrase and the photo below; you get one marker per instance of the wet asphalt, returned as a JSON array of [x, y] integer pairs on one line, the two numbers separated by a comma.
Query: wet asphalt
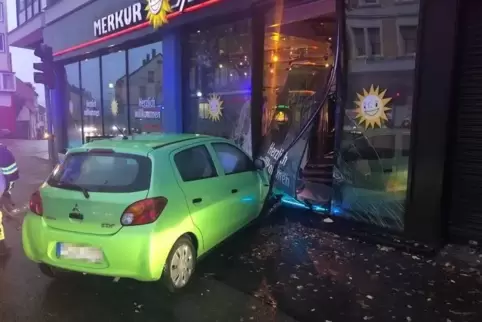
[[284, 268]]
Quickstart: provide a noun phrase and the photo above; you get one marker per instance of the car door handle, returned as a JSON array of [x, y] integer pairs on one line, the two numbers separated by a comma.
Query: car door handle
[[197, 200], [234, 191]]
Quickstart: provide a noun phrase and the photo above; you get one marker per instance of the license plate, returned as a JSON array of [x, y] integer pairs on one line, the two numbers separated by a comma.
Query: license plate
[[82, 253]]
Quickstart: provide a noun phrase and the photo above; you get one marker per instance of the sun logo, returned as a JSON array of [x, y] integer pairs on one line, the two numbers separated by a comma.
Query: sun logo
[[372, 107], [114, 107], [157, 11], [215, 107]]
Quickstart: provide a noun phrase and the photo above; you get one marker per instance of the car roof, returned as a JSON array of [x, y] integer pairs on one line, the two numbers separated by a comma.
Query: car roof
[[143, 143]]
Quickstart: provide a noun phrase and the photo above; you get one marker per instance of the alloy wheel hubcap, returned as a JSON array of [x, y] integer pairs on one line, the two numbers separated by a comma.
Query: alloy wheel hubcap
[[182, 265]]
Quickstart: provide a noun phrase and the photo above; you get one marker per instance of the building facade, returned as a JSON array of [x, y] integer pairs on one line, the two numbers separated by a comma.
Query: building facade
[[7, 78], [372, 144]]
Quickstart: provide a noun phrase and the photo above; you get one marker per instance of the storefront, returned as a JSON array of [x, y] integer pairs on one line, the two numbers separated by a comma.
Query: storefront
[[258, 72]]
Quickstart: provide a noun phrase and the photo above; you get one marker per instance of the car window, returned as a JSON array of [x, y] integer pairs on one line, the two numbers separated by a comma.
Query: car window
[[112, 172], [232, 159], [195, 164]]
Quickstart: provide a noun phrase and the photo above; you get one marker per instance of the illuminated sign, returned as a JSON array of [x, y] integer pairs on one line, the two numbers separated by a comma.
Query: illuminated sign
[[372, 107], [154, 11]]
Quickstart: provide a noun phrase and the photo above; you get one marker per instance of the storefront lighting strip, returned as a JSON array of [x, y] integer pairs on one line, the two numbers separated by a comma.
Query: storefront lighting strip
[[133, 28]]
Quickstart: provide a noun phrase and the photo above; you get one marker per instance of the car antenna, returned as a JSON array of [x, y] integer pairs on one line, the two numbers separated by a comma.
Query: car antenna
[[124, 137]]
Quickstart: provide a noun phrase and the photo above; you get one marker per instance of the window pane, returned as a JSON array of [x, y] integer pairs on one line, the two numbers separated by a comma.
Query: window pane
[[106, 173], [21, 5], [201, 169], [372, 164], [374, 41], [114, 93], [36, 7], [91, 102], [2, 42], [409, 39], [21, 17], [359, 38], [145, 88], [219, 101], [232, 159], [43, 4], [29, 12], [74, 113], [8, 82]]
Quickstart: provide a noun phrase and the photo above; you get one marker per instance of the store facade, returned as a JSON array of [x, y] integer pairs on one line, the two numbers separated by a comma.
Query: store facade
[[258, 72]]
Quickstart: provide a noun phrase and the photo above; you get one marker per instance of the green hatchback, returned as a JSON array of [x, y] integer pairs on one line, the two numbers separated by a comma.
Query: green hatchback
[[142, 207]]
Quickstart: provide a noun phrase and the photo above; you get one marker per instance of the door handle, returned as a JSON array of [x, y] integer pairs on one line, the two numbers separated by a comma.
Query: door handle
[[234, 191], [197, 200]]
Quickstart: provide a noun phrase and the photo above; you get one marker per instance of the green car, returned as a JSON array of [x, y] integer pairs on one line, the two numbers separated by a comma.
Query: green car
[[143, 207]]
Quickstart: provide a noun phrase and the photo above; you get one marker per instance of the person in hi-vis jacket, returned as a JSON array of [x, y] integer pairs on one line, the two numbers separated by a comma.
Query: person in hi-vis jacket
[[8, 175]]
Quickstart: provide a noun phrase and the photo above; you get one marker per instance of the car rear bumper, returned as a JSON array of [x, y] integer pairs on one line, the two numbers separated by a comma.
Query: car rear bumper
[[133, 252]]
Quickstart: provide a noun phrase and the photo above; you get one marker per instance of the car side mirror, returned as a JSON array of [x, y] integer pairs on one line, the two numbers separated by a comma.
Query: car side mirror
[[259, 164]]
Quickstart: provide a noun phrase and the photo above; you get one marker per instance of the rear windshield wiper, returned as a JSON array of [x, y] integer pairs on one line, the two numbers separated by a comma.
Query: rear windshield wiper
[[75, 186]]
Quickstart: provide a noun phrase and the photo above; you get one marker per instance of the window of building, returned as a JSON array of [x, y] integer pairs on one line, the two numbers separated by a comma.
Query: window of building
[[376, 143], [43, 4], [3, 45], [142, 91], [368, 2], [91, 98], [29, 12], [145, 88], [8, 82], [21, 17], [21, 5], [359, 40], [374, 41], [203, 168], [114, 93], [36, 7], [1, 12], [232, 159], [409, 39], [73, 104], [219, 65], [150, 76]]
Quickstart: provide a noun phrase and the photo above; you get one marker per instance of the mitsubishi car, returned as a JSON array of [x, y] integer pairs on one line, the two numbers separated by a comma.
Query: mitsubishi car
[[143, 207]]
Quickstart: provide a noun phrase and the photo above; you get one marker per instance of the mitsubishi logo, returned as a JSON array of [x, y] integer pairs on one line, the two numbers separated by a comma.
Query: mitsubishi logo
[[76, 208]]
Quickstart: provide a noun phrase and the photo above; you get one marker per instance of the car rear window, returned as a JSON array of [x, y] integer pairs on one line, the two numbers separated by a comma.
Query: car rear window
[[103, 172]]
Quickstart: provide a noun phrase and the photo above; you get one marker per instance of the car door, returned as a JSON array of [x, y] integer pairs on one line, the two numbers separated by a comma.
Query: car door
[[203, 191], [241, 180]]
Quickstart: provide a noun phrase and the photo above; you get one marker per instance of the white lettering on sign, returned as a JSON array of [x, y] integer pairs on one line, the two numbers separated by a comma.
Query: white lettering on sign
[[119, 19], [131, 15], [91, 104], [147, 103], [143, 114], [92, 113]]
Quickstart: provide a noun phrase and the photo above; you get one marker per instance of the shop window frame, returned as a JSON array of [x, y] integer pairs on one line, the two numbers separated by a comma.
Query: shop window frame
[[257, 56]]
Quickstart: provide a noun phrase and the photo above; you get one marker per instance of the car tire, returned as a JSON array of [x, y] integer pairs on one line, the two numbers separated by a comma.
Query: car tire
[[180, 265]]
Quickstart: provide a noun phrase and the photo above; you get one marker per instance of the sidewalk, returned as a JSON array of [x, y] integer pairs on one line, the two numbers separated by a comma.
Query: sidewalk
[[32, 148], [316, 275]]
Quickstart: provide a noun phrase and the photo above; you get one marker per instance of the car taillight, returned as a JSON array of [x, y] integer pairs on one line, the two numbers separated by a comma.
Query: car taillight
[[143, 212], [35, 204]]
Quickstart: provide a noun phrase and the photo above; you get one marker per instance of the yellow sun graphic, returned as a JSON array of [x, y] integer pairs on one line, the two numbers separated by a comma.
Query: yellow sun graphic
[[372, 107], [114, 107], [215, 107], [157, 11]]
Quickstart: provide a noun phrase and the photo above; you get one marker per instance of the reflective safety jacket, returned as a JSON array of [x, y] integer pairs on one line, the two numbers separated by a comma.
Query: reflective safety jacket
[[8, 165]]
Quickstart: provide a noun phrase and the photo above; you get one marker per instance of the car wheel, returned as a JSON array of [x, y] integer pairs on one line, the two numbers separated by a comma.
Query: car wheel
[[180, 265]]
